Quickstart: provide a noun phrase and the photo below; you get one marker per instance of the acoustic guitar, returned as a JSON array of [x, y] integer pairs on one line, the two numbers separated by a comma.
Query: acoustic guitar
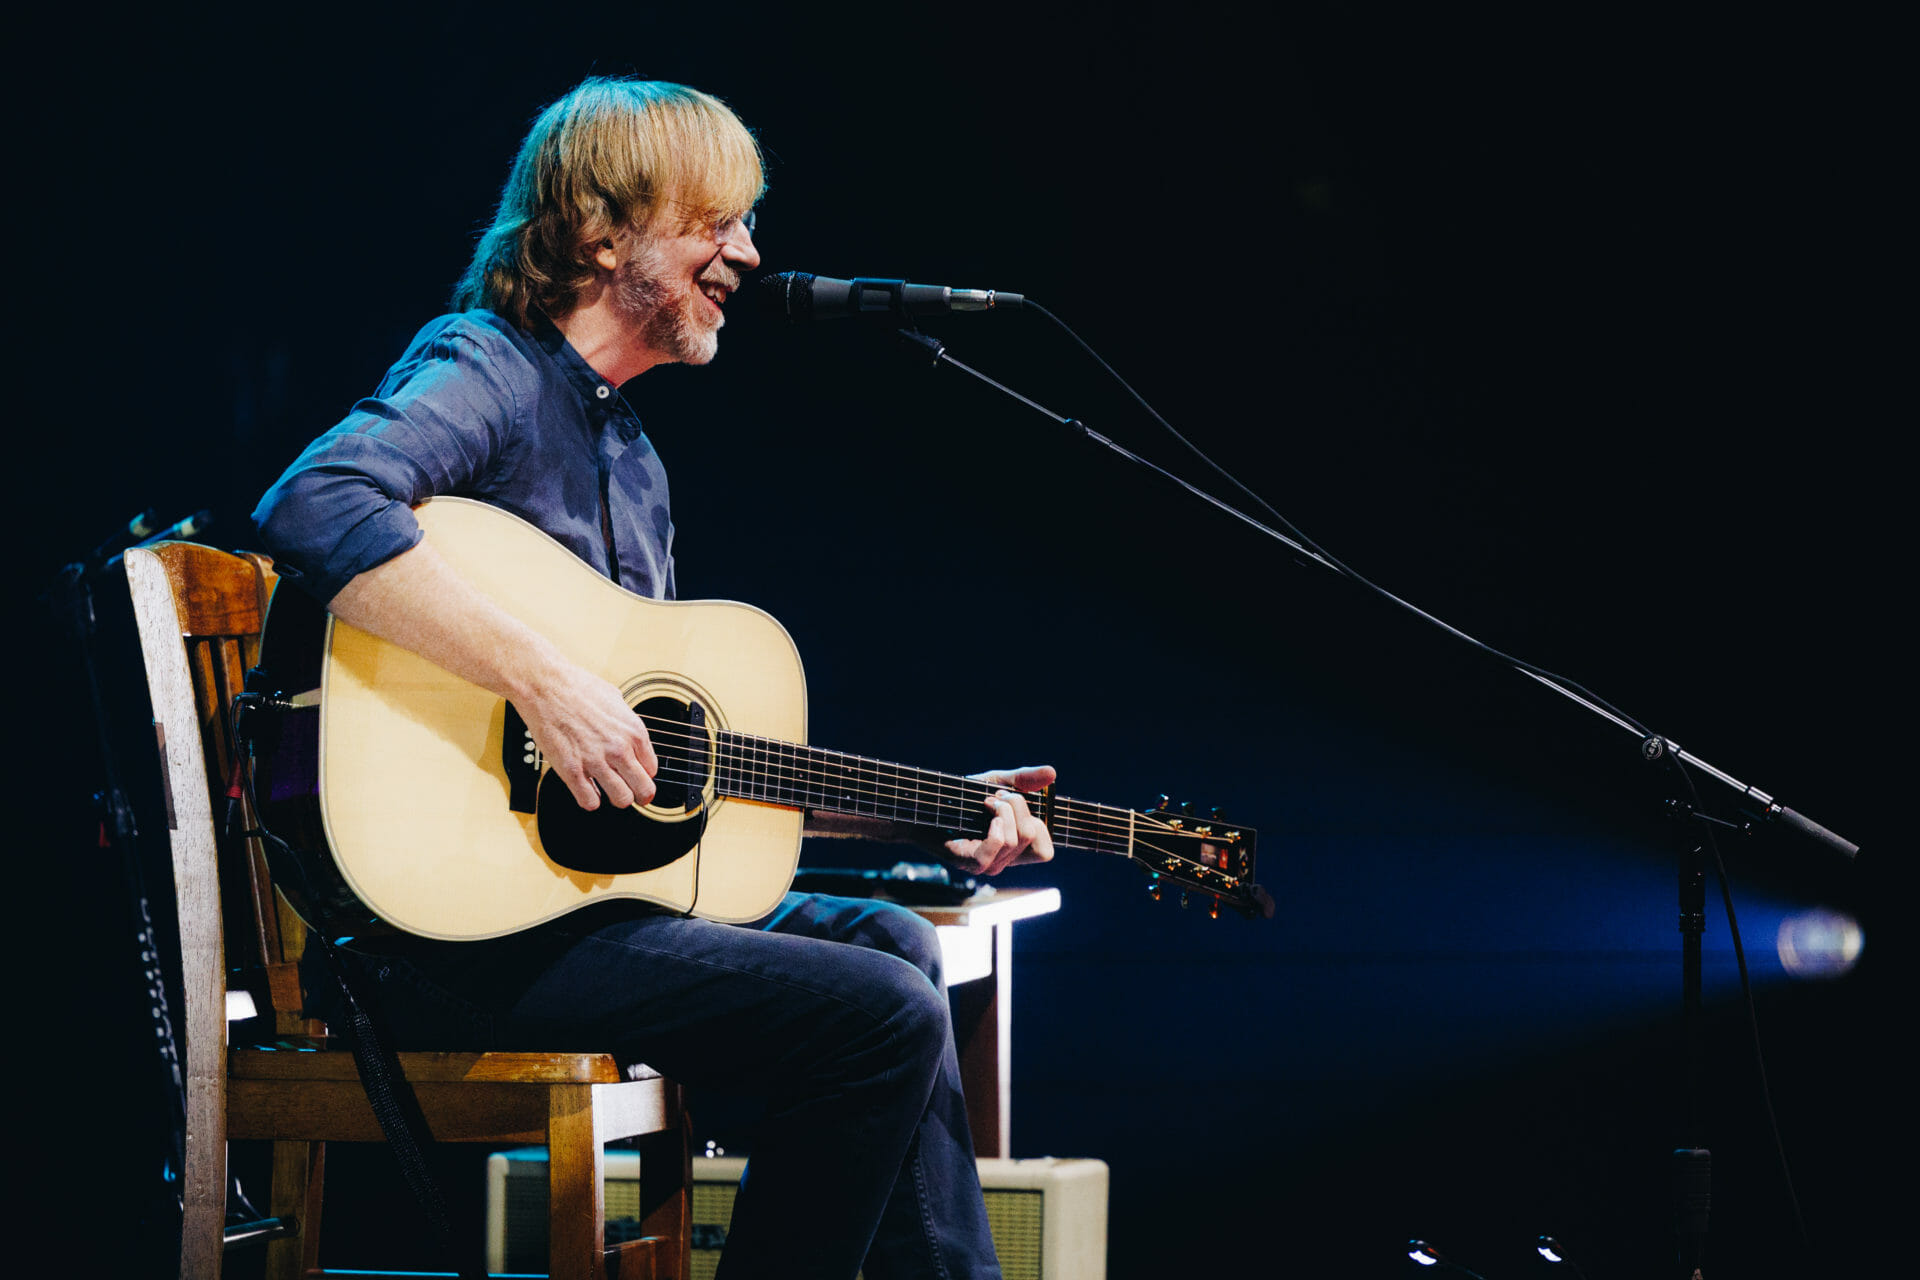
[[398, 795]]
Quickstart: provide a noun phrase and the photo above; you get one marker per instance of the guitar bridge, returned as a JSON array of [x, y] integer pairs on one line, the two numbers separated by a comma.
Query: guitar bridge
[[522, 761]]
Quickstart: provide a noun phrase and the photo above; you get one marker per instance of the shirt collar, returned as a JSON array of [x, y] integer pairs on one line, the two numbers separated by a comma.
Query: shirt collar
[[604, 401]]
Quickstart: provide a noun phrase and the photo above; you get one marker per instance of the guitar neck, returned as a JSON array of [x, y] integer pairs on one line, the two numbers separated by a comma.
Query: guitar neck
[[747, 767]]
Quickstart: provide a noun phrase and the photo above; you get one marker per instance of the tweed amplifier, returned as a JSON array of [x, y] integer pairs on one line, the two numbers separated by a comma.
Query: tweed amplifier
[[1048, 1216]]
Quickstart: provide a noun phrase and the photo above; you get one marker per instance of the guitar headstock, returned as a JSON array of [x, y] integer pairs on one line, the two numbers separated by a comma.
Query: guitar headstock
[[1203, 853]]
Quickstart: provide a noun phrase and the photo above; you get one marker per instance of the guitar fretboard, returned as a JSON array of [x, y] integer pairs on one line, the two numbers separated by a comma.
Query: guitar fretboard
[[802, 777]]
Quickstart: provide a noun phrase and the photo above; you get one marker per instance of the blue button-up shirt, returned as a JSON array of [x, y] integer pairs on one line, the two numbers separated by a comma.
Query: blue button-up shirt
[[479, 408]]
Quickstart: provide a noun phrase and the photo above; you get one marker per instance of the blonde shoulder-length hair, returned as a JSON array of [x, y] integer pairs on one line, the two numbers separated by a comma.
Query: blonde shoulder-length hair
[[610, 154]]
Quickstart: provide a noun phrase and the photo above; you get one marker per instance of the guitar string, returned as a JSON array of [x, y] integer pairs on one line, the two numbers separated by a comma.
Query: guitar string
[[770, 767], [775, 775], [820, 758], [797, 771], [817, 762], [1068, 829], [1068, 837], [1084, 835], [780, 775], [774, 772]]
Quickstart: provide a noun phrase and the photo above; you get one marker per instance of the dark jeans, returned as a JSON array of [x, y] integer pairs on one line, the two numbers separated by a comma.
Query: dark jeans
[[864, 1155]]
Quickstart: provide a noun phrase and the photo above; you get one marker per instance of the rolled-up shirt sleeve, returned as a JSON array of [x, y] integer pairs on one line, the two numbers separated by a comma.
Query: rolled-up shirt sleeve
[[438, 423]]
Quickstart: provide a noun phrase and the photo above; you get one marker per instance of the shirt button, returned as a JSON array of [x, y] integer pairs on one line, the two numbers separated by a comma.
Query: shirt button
[[602, 392]]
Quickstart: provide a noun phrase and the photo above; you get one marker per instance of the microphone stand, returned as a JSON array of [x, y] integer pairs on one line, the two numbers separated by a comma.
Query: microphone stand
[[1692, 1163]]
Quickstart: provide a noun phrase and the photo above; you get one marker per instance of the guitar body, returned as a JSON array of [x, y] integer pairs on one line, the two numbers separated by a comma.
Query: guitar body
[[432, 806]]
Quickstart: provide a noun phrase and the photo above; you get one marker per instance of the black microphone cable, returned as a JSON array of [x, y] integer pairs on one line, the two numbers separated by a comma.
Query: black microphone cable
[[1538, 673]]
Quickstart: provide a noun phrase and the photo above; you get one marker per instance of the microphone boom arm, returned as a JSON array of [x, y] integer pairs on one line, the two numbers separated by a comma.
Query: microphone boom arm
[[1764, 806]]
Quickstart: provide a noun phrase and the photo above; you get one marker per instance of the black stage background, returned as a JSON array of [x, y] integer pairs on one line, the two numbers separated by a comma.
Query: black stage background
[[1559, 327]]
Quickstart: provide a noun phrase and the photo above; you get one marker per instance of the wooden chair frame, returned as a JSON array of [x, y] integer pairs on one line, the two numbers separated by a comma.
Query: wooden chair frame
[[200, 613]]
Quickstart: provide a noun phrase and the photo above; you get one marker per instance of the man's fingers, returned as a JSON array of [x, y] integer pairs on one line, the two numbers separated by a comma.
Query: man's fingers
[[585, 794], [1037, 777], [1039, 841], [631, 771], [595, 742], [1014, 834], [643, 749], [1009, 832], [1033, 777], [621, 779], [641, 763]]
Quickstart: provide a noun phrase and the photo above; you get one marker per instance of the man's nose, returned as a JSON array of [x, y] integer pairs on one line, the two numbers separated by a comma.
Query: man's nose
[[738, 249]]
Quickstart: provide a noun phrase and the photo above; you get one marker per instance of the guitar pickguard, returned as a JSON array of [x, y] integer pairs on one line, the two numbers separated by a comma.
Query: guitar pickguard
[[616, 841]]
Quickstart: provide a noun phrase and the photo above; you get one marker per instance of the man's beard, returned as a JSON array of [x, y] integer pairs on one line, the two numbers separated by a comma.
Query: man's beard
[[667, 324]]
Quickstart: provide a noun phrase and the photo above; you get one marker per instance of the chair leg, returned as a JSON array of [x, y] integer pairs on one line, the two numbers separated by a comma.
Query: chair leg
[[299, 1178], [666, 1181], [576, 1190], [203, 1206]]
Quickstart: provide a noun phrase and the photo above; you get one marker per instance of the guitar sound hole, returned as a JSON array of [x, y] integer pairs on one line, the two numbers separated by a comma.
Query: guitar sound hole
[[610, 841]]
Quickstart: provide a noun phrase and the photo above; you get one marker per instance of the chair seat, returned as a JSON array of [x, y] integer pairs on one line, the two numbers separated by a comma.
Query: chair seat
[[316, 1095], [321, 1060]]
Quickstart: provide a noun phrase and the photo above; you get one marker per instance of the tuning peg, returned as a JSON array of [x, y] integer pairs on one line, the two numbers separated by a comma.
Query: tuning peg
[[1183, 899], [1214, 813], [1153, 887], [1214, 910], [1186, 806], [1161, 803]]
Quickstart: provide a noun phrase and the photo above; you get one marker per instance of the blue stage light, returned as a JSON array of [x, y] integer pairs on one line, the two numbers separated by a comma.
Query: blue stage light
[[1819, 944]]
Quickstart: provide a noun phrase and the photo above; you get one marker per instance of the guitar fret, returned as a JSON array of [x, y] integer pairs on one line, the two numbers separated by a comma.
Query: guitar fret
[[1080, 825], [914, 812], [792, 790], [804, 777], [841, 789]]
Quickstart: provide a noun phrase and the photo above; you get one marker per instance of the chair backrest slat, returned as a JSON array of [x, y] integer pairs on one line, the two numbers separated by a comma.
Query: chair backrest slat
[[200, 612]]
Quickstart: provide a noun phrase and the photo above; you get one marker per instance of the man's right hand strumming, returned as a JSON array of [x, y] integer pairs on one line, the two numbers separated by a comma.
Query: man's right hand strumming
[[590, 736]]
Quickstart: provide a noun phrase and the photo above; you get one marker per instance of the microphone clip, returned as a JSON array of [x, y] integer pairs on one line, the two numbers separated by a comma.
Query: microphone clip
[[925, 342]]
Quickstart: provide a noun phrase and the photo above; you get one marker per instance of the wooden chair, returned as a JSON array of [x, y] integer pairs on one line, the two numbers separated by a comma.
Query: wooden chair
[[199, 614]]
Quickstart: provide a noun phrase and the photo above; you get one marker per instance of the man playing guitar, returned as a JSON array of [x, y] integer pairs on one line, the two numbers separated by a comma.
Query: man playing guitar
[[623, 229]]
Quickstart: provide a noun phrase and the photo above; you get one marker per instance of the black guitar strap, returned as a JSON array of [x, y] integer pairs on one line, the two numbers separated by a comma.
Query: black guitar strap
[[395, 1107]]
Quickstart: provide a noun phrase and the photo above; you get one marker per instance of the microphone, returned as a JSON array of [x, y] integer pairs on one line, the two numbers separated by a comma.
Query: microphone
[[803, 297], [132, 531], [184, 529]]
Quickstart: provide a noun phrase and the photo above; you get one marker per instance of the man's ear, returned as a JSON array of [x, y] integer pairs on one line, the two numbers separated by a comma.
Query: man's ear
[[605, 257]]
